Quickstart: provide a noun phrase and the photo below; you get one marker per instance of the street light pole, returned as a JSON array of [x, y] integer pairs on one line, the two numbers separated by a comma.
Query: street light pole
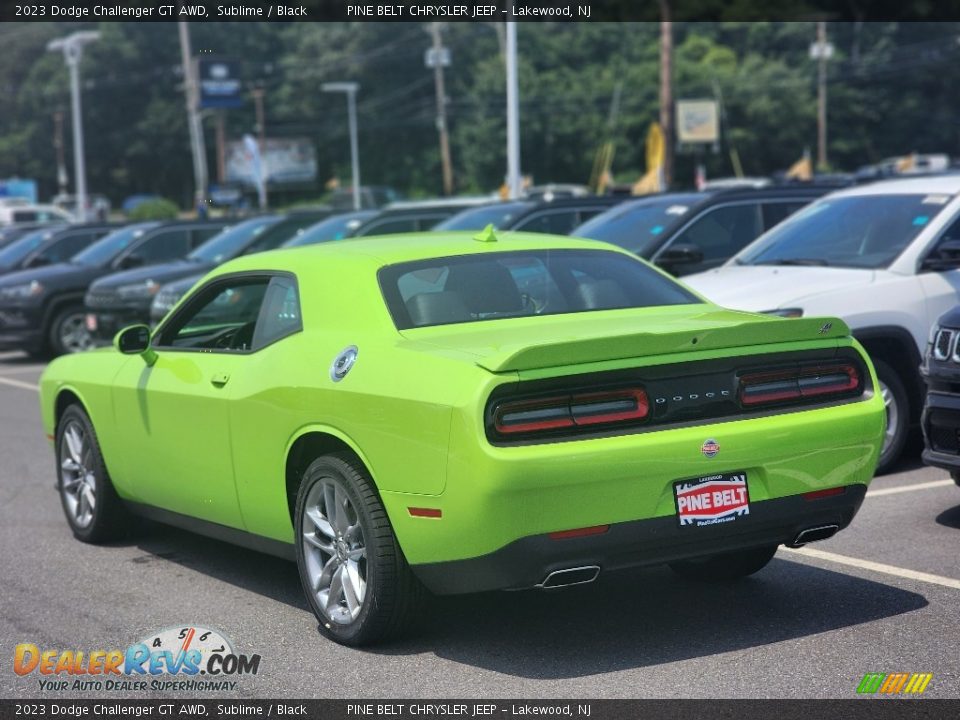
[[350, 88], [513, 115], [72, 49]]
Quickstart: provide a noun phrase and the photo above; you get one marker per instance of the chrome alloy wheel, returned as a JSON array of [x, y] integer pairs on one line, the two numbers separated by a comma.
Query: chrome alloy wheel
[[334, 551], [74, 335], [893, 415], [78, 481]]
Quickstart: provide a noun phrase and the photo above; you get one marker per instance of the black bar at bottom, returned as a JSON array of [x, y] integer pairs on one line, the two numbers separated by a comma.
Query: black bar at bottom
[[873, 706]]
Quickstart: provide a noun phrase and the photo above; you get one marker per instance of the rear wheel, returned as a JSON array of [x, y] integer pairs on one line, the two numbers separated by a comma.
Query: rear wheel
[[894, 396], [353, 572], [725, 567], [68, 331], [93, 510]]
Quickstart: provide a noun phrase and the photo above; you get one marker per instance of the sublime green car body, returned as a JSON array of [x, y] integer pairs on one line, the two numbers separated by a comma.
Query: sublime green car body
[[503, 446]]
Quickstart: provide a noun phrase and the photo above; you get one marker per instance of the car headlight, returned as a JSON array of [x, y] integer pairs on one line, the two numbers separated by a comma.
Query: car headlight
[[22, 292], [164, 302], [138, 291], [785, 312]]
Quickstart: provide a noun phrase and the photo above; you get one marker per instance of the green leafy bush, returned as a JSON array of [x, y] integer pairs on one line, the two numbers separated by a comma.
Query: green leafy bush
[[159, 209]]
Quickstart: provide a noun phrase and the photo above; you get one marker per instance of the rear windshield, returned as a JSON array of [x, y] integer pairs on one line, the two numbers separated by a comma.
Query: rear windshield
[[499, 215], [489, 286]]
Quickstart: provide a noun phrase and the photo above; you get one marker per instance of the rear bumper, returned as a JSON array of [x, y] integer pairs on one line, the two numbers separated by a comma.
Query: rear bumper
[[526, 562]]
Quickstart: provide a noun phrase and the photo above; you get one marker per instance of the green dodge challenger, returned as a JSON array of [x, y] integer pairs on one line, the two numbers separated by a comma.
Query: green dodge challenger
[[456, 413]]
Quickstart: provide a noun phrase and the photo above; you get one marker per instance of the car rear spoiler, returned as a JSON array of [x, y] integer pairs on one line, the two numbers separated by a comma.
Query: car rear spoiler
[[754, 331]]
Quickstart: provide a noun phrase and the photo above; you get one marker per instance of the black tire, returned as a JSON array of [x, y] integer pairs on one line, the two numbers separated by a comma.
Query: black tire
[[57, 338], [956, 477], [109, 519], [725, 567], [893, 448], [392, 594]]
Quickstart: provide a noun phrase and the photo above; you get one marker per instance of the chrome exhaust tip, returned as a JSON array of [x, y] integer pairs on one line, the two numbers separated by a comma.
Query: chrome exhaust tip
[[570, 576], [820, 532]]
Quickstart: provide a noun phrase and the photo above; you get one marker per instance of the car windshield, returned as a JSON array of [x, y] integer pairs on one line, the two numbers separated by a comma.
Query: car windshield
[[858, 231], [16, 251], [498, 215], [109, 246], [231, 241], [637, 226], [335, 228], [490, 286], [280, 233]]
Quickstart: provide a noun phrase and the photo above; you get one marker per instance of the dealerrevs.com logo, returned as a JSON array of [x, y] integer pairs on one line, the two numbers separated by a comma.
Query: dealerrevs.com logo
[[188, 658]]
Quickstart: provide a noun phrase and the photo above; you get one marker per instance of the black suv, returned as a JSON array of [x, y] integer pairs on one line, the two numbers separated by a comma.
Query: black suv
[[686, 233], [941, 412], [556, 217], [41, 310], [50, 245]]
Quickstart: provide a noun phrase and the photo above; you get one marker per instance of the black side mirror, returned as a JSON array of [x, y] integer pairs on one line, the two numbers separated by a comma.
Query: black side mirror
[[680, 254], [131, 261], [945, 257], [135, 340]]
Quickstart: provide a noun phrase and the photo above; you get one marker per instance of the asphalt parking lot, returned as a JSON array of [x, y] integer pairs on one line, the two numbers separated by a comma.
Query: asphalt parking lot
[[883, 596]]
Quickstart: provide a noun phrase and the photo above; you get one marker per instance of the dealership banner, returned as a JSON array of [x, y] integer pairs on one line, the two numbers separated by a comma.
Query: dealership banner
[[219, 80], [463, 709], [278, 161]]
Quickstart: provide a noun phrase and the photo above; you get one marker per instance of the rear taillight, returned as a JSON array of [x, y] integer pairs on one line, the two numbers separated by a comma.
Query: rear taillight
[[798, 383], [571, 411]]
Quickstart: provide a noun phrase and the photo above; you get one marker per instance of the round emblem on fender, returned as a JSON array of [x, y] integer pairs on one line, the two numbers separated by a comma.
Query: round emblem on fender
[[342, 363], [710, 448]]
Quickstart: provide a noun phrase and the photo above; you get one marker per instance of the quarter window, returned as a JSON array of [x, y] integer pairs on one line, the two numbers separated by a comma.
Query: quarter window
[[724, 231]]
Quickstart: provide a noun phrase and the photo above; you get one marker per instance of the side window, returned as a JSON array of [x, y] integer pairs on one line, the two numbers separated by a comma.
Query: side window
[[69, 246], [588, 213], [776, 212], [426, 222], [391, 227], [165, 245], [557, 222], [279, 314], [723, 231], [198, 236], [221, 317]]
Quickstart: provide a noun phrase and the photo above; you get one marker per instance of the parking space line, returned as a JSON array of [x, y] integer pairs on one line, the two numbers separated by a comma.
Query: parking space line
[[909, 488], [19, 384], [20, 370], [875, 567]]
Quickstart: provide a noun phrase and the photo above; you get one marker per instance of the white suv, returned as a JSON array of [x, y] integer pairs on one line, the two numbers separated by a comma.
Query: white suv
[[884, 257]]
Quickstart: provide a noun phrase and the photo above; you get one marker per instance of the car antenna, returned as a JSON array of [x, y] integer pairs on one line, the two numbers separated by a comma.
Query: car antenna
[[486, 235]]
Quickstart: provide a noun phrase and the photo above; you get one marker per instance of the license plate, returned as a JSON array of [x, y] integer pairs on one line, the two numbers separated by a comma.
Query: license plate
[[712, 500]]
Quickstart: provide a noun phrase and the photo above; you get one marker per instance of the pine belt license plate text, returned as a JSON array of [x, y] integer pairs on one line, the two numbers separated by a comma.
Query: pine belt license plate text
[[712, 500]]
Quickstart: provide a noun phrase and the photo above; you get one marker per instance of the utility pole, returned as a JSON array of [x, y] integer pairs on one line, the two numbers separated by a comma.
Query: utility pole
[[221, 148], [821, 51], [58, 146], [258, 94], [513, 115], [438, 57], [72, 49], [191, 92], [350, 88], [666, 91]]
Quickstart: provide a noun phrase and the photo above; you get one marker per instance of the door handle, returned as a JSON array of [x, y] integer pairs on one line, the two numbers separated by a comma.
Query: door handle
[[220, 379]]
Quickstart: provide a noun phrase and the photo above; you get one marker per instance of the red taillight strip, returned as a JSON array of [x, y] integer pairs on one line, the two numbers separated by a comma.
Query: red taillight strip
[[579, 532], [578, 409], [829, 492], [425, 512], [796, 384]]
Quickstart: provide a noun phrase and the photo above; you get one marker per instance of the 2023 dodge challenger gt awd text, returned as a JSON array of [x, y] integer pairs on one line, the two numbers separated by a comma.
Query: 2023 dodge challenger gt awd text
[[456, 413]]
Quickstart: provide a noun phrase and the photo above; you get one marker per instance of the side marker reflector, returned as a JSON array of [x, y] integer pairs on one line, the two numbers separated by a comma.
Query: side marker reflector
[[425, 512], [830, 492]]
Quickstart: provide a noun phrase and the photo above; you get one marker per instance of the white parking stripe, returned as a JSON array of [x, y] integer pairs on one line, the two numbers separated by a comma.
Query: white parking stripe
[[19, 384], [20, 370], [875, 567], [910, 488]]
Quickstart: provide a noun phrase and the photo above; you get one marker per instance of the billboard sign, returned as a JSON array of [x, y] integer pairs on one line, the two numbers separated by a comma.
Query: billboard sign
[[219, 81], [698, 121], [280, 161]]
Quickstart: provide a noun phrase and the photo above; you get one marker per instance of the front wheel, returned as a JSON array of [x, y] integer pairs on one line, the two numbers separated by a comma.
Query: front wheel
[[69, 333], [93, 510], [898, 416], [353, 572], [725, 567]]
